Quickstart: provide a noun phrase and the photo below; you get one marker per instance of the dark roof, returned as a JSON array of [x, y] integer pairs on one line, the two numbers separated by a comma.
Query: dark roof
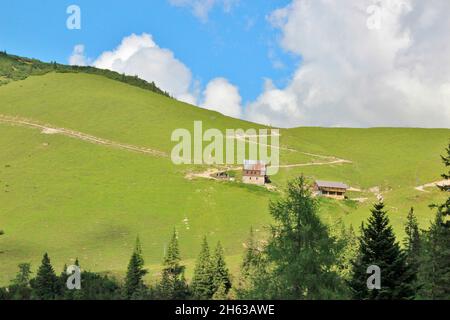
[[331, 184]]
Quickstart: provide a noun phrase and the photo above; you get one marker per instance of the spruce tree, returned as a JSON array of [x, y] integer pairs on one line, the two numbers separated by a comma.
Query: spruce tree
[[378, 247], [173, 283], [249, 264], [349, 242], [46, 284], [299, 258], [434, 271], [221, 275], [412, 242], [20, 286], [202, 286], [23, 276], [134, 283], [221, 293], [444, 209]]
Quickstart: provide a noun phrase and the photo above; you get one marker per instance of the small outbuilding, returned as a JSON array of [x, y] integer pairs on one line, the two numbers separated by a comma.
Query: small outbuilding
[[330, 189], [223, 175]]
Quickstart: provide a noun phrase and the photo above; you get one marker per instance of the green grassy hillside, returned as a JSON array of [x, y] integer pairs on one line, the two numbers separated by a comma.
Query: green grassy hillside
[[74, 198], [14, 68]]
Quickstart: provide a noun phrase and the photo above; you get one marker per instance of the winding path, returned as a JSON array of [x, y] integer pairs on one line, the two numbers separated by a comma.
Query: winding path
[[48, 129], [440, 183]]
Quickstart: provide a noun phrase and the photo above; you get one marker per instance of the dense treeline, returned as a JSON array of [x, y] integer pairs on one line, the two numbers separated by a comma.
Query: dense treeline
[[301, 259], [13, 68]]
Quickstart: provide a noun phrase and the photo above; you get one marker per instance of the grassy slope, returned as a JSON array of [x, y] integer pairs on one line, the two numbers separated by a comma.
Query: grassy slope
[[77, 199], [393, 159], [73, 198]]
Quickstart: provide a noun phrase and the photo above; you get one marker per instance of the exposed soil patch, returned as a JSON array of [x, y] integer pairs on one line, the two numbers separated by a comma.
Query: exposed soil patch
[[440, 183]]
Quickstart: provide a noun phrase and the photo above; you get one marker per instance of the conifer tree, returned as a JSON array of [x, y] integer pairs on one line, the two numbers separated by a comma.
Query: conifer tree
[[378, 247], [134, 283], [298, 260], [23, 276], [349, 242], [46, 284], [444, 209], [221, 293], [173, 283], [221, 275], [20, 286], [412, 241], [434, 271], [249, 266], [203, 282]]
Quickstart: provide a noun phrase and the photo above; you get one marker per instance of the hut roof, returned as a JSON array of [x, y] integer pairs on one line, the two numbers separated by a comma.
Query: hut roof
[[331, 184]]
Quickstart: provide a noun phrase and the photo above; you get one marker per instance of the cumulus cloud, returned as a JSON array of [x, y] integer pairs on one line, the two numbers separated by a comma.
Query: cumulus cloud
[[364, 63], [201, 8], [78, 57], [220, 95], [140, 55]]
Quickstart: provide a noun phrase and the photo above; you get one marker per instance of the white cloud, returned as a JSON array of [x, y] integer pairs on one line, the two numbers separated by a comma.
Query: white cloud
[[220, 95], [78, 58], [201, 8], [352, 75], [359, 67], [140, 55]]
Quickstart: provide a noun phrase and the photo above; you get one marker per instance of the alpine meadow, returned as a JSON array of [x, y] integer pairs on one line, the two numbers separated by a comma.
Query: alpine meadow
[[85, 170], [223, 159]]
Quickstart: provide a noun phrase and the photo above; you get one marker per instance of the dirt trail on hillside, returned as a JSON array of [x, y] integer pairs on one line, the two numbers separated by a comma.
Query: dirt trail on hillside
[[49, 129], [333, 160], [209, 174], [337, 161], [440, 183]]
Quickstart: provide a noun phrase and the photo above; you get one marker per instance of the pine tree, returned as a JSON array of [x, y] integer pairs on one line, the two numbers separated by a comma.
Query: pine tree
[[349, 242], [134, 283], [298, 260], [221, 275], [444, 209], [221, 293], [20, 286], [412, 241], [378, 247], [434, 271], [46, 284], [173, 283], [23, 276], [249, 264], [203, 282]]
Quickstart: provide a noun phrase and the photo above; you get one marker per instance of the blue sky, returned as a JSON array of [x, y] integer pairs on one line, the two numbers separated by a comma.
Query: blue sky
[[352, 63], [239, 45]]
